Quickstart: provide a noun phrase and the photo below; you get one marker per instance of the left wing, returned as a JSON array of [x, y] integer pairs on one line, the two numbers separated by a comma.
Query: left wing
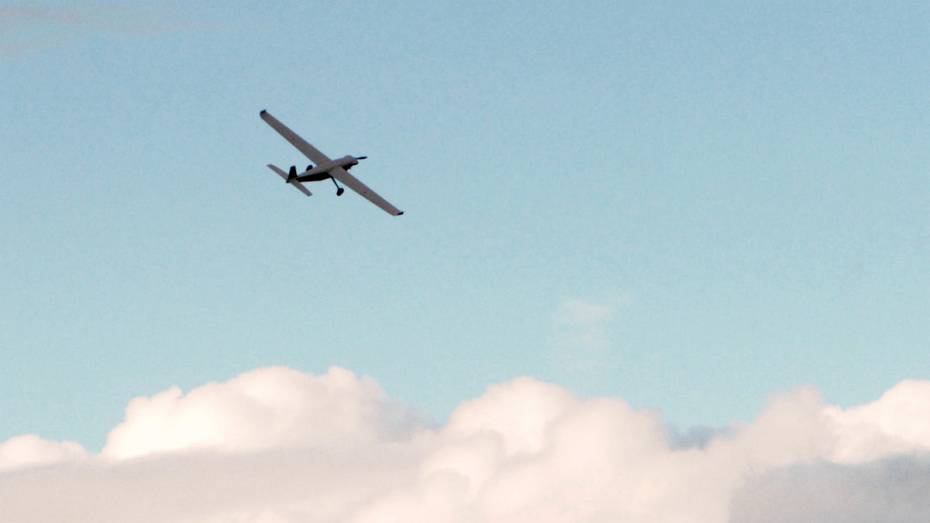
[[353, 183], [302, 145]]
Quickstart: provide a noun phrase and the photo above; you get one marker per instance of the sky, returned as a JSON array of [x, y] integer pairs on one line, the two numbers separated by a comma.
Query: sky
[[690, 207]]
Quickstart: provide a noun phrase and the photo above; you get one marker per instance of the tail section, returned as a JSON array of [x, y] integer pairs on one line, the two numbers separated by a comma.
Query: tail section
[[290, 178]]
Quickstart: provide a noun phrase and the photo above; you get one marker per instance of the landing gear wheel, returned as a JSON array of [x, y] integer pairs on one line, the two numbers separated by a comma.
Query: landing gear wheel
[[339, 191]]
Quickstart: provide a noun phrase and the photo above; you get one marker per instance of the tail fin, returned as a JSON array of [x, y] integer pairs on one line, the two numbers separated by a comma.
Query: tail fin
[[290, 178]]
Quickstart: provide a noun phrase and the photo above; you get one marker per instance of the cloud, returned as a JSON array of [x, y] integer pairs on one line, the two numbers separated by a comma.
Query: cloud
[[892, 490], [30, 450], [281, 446], [266, 408], [105, 17], [23, 13], [581, 313], [29, 27], [580, 336], [896, 422]]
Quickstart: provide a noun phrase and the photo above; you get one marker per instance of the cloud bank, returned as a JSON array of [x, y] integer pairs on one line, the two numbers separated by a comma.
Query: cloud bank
[[277, 445]]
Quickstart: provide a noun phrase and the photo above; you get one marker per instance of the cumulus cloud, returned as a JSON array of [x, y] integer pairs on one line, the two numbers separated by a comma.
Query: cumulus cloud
[[263, 409], [30, 450], [891, 490], [281, 446]]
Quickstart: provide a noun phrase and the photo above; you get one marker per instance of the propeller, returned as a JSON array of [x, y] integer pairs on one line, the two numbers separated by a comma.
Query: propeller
[[361, 157]]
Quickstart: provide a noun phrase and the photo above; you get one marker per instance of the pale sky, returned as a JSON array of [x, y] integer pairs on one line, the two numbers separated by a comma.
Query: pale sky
[[692, 207]]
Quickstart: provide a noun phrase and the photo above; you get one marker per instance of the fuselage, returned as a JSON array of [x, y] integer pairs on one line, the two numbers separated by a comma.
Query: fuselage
[[321, 172]]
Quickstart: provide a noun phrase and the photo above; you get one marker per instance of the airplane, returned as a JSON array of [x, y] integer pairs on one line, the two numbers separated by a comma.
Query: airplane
[[326, 169]]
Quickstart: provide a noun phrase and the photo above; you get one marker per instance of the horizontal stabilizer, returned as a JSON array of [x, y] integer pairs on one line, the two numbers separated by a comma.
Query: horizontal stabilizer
[[297, 185]]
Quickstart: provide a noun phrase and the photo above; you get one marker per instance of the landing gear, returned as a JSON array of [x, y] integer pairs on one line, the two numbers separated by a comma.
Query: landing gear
[[339, 190]]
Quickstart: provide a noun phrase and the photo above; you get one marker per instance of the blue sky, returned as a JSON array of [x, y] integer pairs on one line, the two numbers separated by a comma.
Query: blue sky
[[743, 189]]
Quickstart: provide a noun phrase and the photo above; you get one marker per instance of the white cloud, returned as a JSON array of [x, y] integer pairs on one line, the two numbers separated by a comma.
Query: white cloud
[[30, 450], [897, 422], [266, 408], [280, 446]]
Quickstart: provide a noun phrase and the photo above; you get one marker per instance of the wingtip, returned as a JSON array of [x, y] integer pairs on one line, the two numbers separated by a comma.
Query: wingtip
[[400, 213], [263, 113]]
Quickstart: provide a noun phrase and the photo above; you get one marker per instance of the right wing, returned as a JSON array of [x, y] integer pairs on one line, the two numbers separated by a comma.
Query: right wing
[[297, 185], [302, 145], [353, 183]]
